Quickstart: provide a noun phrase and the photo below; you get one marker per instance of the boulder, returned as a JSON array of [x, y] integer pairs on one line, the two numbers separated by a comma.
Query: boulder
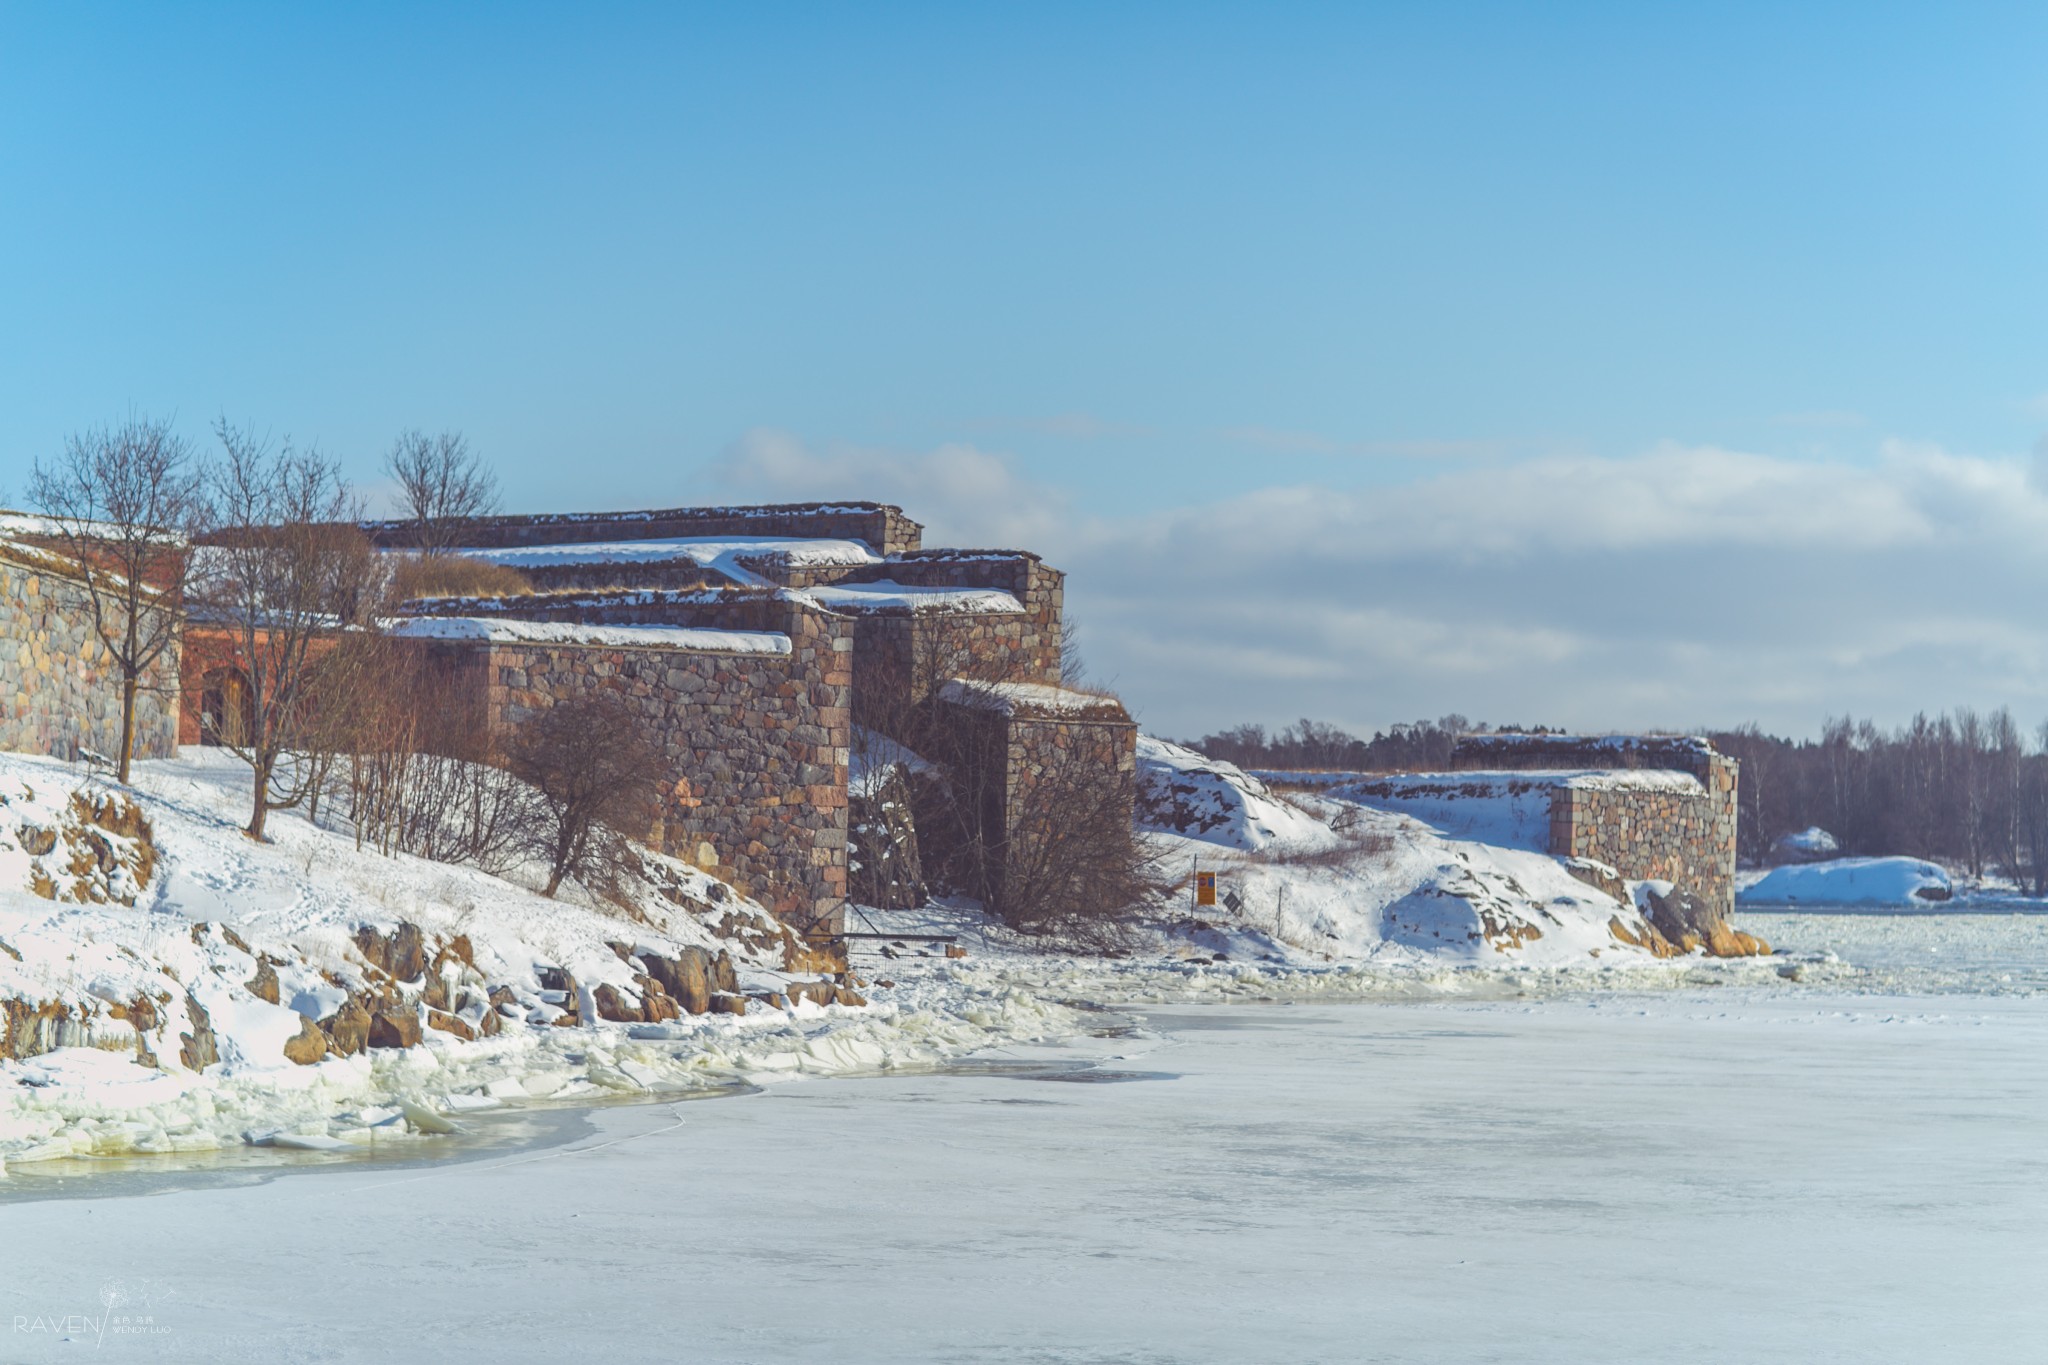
[[1689, 922], [264, 984], [1599, 876], [686, 977], [308, 1046], [398, 1027], [559, 979], [451, 1024], [198, 1050], [402, 955], [613, 1005], [348, 1028]]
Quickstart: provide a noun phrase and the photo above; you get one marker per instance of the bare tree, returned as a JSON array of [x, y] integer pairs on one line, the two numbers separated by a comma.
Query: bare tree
[[123, 501], [440, 481], [594, 765], [287, 576]]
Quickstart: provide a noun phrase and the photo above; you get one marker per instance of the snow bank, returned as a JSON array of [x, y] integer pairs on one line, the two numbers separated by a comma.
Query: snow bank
[[1333, 882], [505, 630], [1851, 881]]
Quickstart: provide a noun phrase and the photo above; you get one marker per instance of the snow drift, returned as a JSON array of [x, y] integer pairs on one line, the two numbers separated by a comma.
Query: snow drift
[[1851, 881]]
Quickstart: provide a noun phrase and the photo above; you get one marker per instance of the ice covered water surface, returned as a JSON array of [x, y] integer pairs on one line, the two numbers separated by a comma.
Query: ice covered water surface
[[1937, 951]]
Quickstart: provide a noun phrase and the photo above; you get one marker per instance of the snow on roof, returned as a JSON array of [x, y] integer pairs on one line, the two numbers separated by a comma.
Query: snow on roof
[[885, 595], [725, 553], [1015, 698], [498, 630]]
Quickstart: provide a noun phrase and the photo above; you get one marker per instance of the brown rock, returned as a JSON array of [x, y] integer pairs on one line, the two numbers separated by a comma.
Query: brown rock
[[616, 1007], [402, 955], [308, 1046], [449, 1023], [722, 1003], [348, 1028], [395, 1028], [264, 984], [561, 980], [686, 977], [198, 1050], [723, 977], [846, 997]]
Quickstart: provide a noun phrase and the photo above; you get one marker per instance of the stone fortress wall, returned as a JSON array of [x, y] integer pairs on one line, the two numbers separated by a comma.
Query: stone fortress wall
[[1682, 833], [754, 745], [60, 691], [759, 746]]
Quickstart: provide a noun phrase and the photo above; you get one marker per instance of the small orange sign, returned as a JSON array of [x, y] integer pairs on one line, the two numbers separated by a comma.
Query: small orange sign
[[1205, 888]]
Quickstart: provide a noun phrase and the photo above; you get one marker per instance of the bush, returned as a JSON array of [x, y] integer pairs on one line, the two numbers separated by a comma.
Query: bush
[[418, 576], [594, 765]]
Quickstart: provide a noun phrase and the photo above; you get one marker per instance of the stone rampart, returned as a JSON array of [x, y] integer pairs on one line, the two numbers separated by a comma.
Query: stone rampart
[[884, 529], [60, 689], [1021, 758], [1643, 831], [755, 749]]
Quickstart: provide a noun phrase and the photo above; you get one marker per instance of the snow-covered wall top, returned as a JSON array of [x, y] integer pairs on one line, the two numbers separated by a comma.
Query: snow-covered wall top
[[502, 630], [702, 549], [887, 595], [1032, 699]]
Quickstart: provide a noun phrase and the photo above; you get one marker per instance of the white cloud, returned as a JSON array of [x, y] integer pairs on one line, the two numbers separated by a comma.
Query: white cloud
[[1681, 587], [1684, 586], [963, 495]]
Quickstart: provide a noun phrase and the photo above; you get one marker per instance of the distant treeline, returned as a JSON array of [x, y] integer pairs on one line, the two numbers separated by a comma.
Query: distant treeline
[[1965, 788]]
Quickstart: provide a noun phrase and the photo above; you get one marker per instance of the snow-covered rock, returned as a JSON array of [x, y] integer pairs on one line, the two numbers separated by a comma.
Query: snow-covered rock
[[1805, 846], [1186, 793], [1851, 881]]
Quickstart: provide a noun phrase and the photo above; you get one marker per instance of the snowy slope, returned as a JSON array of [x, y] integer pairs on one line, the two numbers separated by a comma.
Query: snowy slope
[[1331, 877], [164, 1024], [1187, 793]]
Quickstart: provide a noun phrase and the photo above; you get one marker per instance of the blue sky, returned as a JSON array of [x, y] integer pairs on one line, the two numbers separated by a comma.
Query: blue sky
[[1145, 284]]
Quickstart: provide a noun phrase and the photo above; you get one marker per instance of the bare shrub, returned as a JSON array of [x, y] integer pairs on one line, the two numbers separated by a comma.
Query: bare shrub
[[593, 765], [122, 502], [1070, 866], [1355, 847], [441, 482], [290, 578], [448, 575]]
